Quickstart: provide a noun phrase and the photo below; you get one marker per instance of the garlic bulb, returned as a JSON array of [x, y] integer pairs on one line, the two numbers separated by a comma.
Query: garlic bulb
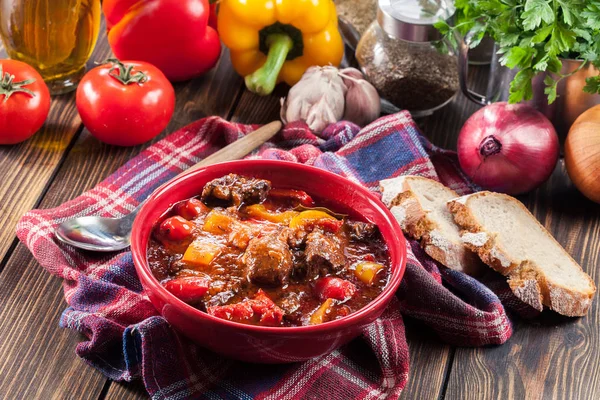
[[326, 95], [317, 99]]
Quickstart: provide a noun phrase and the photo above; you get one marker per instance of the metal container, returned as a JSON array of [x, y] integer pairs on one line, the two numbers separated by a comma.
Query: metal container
[[571, 102], [405, 58], [482, 54]]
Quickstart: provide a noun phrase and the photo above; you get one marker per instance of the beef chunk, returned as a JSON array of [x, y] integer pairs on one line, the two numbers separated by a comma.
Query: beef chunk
[[324, 254], [361, 231], [219, 299], [296, 238], [268, 260], [237, 190], [291, 304]]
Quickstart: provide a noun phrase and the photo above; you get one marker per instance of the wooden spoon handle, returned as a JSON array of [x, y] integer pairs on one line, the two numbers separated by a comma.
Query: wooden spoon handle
[[241, 147]]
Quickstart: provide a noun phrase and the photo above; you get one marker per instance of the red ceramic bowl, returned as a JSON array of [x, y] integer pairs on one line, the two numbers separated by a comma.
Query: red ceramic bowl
[[258, 343]]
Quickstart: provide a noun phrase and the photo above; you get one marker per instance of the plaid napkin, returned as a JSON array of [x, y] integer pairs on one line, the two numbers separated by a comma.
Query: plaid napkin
[[127, 339]]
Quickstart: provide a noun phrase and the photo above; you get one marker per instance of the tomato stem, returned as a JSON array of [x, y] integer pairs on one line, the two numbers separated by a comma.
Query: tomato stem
[[8, 86], [122, 73]]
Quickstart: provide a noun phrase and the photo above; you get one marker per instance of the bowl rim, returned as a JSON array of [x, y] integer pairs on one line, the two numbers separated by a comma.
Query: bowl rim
[[143, 269]]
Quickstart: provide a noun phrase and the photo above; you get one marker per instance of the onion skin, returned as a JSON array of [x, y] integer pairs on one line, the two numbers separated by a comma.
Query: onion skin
[[582, 153], [509, 148]]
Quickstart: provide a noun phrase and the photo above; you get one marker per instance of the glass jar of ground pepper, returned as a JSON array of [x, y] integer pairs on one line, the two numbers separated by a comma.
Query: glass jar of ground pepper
[[403, 56]]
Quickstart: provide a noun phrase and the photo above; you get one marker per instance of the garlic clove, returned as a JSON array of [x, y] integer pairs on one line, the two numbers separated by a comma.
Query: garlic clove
[[352, 73], [363, 104], [317, 99]]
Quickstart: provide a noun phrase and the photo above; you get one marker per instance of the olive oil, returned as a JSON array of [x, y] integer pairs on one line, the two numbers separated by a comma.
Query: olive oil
[[56, 37]]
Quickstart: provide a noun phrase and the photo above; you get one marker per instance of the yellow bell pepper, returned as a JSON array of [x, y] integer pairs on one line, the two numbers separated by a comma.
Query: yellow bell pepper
[[219, 224], [306, 217], [200, 253], [366, 271], [259, 211], [271, 41], [319, 315]]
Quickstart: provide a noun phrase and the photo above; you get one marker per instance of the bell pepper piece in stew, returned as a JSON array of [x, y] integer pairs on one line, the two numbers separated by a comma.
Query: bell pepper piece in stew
[[253, 254]]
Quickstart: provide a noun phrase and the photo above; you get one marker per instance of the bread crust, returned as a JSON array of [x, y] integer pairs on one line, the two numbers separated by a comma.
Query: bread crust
[[526, 279], [415, 223]]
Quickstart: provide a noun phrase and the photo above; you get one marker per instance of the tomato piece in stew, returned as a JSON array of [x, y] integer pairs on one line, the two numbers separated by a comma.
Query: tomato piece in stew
[[252, 254]]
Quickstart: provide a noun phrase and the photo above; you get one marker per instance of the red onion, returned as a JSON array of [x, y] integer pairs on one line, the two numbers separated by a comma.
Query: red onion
[[510, 148]]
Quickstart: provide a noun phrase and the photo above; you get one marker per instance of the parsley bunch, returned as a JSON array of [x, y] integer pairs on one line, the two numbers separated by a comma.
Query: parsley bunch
[[533, 36]]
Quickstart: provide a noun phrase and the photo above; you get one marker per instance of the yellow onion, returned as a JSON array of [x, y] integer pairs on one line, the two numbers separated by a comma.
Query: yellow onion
[[582, 153]]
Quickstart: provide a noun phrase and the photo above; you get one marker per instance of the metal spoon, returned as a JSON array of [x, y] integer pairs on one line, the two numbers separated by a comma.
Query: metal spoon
[[113, 234]]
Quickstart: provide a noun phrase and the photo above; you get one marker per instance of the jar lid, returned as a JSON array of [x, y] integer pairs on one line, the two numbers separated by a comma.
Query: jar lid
[[413, 20]]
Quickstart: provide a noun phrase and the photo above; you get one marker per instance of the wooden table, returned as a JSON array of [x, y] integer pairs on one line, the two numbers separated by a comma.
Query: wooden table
[[550, 357]]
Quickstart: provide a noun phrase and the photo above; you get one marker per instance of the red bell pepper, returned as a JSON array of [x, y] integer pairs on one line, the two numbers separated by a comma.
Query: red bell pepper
[[174, 35], [334, 288], [260, 306], [189, 288], [299, 196]]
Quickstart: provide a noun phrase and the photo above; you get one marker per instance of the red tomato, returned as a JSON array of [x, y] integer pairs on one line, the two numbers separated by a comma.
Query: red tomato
[[191, 209], [189, 288], [124, 106], [334, 288], [24, 101], [176, 228]]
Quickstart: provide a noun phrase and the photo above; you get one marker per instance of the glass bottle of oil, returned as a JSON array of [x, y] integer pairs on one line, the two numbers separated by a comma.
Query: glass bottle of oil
[[56, 37]]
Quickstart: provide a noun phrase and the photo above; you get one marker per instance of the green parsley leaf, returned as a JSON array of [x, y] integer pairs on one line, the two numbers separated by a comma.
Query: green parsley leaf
[[537, 11], [542, 64], [592, 14], [582, 33], [517, 57], [550, 91], [592, 85], [442, 26], [542, 34], [478, 33], [561, 41], [533, 36], [568, 11], [554, 64], [510, 39], [521, 86]]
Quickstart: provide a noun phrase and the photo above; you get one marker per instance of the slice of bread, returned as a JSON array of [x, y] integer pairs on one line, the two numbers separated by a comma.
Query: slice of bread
[[419, 205], [510, 239]]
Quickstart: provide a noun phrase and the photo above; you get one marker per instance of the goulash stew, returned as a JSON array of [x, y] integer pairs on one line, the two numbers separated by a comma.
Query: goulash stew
[[250, 253]]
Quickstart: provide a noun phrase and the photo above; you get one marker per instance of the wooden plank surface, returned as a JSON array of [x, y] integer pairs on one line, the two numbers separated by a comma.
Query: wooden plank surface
[[37, 359], [30, 338], [550, 357], [37, 355], [28, 167], [126, 391]]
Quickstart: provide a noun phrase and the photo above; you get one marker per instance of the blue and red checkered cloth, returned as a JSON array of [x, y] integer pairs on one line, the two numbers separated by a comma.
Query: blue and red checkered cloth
[[127, 339]]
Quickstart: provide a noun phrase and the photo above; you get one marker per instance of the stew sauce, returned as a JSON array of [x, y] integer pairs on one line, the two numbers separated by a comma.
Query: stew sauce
[[249, 253]]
